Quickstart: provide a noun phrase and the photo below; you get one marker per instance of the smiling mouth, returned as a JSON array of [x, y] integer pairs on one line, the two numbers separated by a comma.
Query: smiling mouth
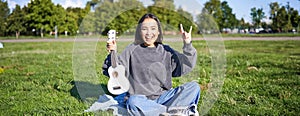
[[149, 38]]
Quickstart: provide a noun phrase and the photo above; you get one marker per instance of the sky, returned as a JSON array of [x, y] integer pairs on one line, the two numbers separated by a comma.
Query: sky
[[240, 7]]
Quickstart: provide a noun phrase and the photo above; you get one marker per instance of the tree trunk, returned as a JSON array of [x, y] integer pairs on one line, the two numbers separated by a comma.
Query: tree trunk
[[17, 34]]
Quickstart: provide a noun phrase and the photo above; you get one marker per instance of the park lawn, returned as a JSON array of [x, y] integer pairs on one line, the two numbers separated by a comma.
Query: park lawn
[[262, 78]]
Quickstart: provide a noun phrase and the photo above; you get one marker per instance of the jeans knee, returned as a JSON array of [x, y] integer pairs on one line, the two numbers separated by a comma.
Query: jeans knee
[[132, 100], [195, 90], [135, 100], [194, 86]]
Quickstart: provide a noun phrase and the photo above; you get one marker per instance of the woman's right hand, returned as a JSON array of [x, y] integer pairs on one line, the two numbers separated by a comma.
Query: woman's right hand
[[186, 36], [111, 45]]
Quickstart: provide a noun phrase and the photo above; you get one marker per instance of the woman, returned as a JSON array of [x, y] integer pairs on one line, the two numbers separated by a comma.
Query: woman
[[150, 66]]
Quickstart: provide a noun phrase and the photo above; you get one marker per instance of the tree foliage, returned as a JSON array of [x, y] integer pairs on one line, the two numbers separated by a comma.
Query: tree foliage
[[39, 14], [284, 18], [220, 12], [171, 18], [15, 21], [43, 16], [274, 15], [124, 15], [228, 18], [257, 15], [4, 12], [121, 15], [98, 16], [207, 23], [213, 8]]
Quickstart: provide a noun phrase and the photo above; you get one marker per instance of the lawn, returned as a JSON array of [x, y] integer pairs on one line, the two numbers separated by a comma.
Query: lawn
[[262, 78]]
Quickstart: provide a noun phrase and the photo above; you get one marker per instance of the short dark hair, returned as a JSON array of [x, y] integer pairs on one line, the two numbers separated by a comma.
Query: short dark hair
[[138, 39]]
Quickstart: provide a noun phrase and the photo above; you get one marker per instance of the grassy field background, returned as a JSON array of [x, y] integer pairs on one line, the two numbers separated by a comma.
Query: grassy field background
[[262, 78]]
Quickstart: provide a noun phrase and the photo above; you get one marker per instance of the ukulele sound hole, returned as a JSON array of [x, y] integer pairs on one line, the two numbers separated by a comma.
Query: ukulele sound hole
[[116, 88], [115, 74]]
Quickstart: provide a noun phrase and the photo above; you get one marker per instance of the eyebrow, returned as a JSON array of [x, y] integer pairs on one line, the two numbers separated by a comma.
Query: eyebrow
[[147, 26]]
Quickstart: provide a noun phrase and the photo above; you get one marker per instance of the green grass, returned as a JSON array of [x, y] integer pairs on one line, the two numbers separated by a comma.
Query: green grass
[[272, 89], [262, 78], [263, 35]]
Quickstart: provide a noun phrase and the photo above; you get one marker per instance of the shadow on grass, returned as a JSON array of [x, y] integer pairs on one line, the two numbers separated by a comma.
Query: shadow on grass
[[86, 91]]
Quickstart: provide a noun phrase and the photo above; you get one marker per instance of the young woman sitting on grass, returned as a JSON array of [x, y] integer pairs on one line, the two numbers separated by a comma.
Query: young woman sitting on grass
[[150, 66]]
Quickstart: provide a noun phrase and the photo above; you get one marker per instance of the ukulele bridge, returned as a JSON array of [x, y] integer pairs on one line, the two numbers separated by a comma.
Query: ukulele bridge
[[116, 87]]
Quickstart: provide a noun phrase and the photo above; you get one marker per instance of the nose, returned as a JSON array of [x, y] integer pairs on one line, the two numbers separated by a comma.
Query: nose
[[148, 31]]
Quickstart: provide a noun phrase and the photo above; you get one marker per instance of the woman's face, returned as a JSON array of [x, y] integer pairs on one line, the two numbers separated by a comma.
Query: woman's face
[[149, 32]]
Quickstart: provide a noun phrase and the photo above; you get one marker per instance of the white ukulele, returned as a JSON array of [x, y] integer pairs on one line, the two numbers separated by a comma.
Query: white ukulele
[[117, 83]]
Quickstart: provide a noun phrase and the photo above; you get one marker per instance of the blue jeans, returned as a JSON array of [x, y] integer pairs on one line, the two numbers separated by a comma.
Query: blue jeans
[[182, 96]]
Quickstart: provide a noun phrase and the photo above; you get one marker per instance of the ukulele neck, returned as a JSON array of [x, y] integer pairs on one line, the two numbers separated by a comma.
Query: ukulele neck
[[113, 58], [112, 37]]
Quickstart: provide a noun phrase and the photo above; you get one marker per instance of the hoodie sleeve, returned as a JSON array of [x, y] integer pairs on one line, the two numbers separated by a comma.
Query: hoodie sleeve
[[106, 65], [182, 63], [123, 59]]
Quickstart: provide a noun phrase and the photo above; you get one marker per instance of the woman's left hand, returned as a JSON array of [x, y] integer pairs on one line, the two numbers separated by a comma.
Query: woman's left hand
[[186, 36]]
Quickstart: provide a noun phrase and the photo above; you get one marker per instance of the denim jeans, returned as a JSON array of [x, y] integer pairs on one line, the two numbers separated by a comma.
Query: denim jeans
[[182, 96]]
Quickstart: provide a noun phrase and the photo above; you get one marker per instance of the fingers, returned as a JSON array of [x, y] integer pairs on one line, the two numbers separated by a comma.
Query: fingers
[[110, 45], [186, 36], [181, 28], [191, 29]]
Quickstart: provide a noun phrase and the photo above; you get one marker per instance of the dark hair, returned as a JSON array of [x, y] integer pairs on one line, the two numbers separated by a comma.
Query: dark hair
[[138, 39]]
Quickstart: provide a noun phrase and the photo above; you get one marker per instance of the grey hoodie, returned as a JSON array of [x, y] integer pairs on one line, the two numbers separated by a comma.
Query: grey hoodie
[[150, 69]]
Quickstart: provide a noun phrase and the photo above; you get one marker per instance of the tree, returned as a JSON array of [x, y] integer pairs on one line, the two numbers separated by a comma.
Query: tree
[[4, 13], [61, 20], [16, 21], [88, 24], [104, 14], [79, 12], [166, 4], [91, 4], [228, 18], [213, 8], [274, 6], [44, 15], [220, 12], [170, 17], [257, 15], [114, 15], [185, 13], [126, 20], [288, 26], [186, 19], [242, 25], [39, 15], [265, 25], [282, 19], [71, 23], [295, 18], [165, 11], [206, 23]]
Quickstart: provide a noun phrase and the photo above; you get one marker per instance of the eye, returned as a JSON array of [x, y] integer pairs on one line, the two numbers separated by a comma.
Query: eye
[[144, 29], [153, 28]]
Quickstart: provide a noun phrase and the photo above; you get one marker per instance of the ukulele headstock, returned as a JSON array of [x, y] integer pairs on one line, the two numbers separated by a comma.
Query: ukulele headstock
[[111, 35]]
